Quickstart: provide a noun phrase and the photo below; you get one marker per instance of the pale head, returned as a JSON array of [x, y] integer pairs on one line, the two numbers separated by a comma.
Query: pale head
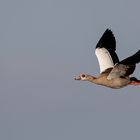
[[83, 77]]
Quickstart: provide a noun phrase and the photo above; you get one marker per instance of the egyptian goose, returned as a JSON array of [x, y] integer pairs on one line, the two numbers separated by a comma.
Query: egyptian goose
[[113, 73]]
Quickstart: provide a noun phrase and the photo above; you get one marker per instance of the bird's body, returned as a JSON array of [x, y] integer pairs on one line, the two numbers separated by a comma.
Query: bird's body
[[113, 83], [113, 73]]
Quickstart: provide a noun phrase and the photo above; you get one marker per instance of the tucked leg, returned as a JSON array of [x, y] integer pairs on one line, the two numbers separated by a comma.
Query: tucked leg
[[134, 81]]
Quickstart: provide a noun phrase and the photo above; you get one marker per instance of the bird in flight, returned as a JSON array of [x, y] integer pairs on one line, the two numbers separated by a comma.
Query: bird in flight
[[113, 73]]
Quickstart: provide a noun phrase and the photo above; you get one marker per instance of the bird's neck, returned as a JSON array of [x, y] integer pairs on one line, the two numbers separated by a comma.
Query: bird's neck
[[92, 79]]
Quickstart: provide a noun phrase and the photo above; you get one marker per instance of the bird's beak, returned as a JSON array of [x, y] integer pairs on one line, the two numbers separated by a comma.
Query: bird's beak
[[77, 78]]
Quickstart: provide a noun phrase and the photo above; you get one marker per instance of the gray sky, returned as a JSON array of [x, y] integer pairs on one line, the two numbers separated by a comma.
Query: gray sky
[[44, 44]]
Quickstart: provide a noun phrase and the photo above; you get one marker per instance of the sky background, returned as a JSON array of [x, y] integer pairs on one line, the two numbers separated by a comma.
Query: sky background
[[43, 45]]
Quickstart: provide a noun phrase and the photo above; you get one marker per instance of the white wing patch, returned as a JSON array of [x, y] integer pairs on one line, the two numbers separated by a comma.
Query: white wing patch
[[104, 59]]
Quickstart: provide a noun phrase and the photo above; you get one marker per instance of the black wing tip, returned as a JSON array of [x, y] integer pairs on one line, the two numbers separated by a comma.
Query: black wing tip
[[132, 60], [107, 40], [109, 31]]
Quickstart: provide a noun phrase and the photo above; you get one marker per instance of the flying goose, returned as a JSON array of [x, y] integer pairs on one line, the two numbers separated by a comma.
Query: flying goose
[[113, 73]]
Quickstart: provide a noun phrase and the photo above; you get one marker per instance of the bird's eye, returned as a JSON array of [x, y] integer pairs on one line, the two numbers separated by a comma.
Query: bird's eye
[[83, 75]]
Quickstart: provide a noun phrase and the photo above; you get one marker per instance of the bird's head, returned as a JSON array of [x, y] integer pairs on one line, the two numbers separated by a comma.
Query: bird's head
[[83, 77]]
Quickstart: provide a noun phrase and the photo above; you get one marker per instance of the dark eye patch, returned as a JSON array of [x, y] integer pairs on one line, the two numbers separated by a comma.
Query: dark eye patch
[[83, 75]]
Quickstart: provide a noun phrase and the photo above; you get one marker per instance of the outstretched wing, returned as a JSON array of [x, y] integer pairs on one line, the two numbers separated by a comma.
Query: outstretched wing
[[105, 51], [125, 67]]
